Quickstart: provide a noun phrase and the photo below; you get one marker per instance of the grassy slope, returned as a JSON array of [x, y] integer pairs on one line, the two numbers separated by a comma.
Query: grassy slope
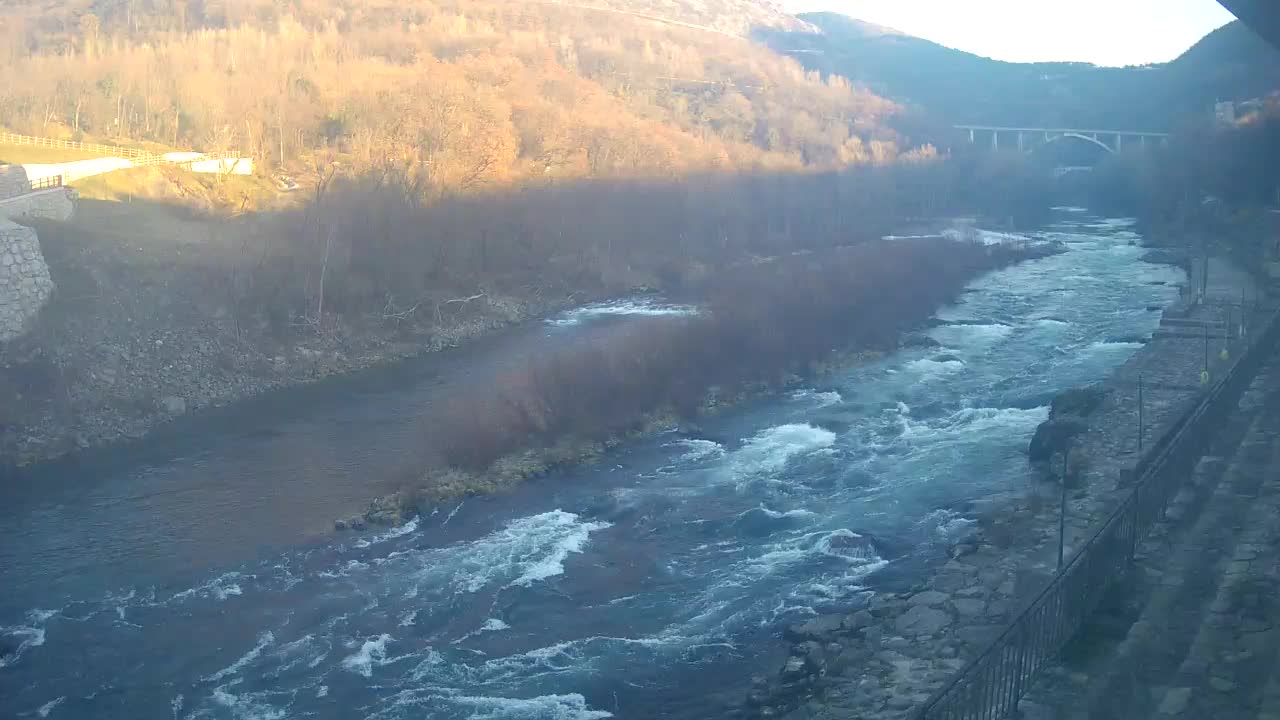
[[27, 154]]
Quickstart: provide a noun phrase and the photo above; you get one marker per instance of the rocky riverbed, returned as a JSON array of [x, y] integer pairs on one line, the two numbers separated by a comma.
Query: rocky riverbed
[[887, 657]]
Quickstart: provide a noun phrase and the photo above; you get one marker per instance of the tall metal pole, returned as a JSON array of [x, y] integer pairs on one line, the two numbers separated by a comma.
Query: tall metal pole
[[1206, 348], [1062, 510], [1243, 313], [1141, 425]]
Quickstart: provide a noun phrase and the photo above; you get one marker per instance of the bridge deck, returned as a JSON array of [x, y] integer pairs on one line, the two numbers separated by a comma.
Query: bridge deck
[[1126, 133]]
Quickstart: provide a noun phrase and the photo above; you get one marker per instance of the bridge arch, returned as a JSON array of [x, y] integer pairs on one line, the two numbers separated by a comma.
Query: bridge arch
[[1074, 136]]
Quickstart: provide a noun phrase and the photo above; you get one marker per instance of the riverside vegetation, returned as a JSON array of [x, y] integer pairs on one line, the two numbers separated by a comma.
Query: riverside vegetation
[[494, 161], [762, 326]]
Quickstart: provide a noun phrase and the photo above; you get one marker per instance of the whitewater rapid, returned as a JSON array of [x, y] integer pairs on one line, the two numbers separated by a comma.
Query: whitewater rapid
[[653, 583]]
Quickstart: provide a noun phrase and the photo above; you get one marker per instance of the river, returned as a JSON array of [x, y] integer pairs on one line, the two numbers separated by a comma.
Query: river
[[194, 576]]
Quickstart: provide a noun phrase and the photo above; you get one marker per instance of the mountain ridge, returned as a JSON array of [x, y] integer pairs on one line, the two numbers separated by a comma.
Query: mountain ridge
[[1230, 63]]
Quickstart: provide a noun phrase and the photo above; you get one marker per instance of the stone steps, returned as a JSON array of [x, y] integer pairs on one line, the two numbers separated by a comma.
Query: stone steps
[[1157, 643], [1230, 661], [1269, 700], [1122, 665]]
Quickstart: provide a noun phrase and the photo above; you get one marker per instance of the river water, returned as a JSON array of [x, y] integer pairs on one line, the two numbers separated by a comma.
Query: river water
[[193, 577]]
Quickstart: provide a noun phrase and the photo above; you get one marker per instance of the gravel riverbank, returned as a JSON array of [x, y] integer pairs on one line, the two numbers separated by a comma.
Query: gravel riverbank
[[94, 373]]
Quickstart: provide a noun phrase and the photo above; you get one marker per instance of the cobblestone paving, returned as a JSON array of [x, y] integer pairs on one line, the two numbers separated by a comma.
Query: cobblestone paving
[[1204, 637]]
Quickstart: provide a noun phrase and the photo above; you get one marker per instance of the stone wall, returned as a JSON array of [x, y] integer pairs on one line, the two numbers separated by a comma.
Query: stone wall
[[53, 204], [13, 180], [25, 285]]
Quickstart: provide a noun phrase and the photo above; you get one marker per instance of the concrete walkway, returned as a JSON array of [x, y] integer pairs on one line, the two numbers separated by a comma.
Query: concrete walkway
[[1195, 634]]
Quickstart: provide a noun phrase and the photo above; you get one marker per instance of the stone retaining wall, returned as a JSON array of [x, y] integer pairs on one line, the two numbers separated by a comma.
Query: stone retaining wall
[[53, 204], [13, 180], [25, 284]]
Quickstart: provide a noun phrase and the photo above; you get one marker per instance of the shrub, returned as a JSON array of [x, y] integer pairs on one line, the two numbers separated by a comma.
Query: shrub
[[760, 323]]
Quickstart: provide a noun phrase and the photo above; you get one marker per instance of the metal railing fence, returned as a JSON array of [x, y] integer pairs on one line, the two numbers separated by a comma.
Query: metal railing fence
[[990, 685]]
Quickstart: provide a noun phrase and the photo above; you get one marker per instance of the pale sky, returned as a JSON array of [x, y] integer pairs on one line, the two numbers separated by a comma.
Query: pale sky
[[1104, 32]]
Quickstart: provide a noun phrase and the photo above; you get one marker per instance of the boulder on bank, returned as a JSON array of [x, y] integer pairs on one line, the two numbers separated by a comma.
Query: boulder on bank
[[173, 405], [922, 620], [1167, 256], [1078, 402], [1067, 420], [822, 628], [1055, 436], [919, 340]]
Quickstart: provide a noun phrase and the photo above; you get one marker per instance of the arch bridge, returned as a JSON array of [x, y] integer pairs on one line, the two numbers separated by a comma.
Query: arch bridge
[[1027, 139]]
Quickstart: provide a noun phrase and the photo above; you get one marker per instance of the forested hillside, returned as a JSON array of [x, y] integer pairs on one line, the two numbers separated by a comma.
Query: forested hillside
[[463, 92], [1230, 63]]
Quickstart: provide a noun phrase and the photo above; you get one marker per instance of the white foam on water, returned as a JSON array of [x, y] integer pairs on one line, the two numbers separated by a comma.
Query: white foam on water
[[770, 450], [575, 655], [1112, 346], [176, 705], [405, 529], [530, 549], [842, 543], [637, 306], [409, 618], [970, 335], [1069, 208], [246, 706], [452, 513], [986, 237], [823, 399], [45, 709], [796, 513], [974, 423], [543, 707], [32, 637], [305, 649], [527, 550], [948, 525], [39, 616], [494, 625], [219, 588], [427, 666], [322, 691], [698, 449], [264, 640], [910, 237], [1051, 321], [935, 368], [956, 314], [371, 651], [552, 564]]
